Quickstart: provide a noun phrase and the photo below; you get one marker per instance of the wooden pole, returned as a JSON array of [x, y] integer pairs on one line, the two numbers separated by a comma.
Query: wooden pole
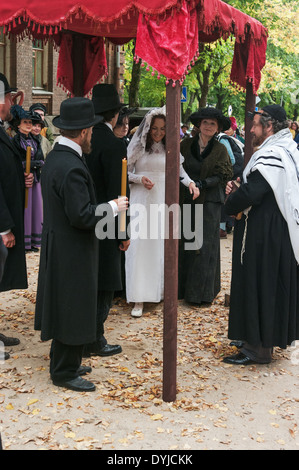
[[173, 100], [249, 106], [27, 169]]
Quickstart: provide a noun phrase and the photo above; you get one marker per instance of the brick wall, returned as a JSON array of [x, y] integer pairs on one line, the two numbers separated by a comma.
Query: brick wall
[[24, 70], [21, 74]]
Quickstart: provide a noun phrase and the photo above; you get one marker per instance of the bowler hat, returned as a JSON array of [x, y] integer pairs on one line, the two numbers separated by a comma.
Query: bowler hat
[[76, 113], [7, 87], [210, 113], [105, 98]]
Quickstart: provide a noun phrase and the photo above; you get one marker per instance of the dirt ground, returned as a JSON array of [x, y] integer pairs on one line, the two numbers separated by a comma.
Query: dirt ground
[[218, 406]]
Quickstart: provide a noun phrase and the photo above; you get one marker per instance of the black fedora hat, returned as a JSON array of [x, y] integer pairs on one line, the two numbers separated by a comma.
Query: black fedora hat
[[76, 113], [6, 88], [105, 98], [210, 113]]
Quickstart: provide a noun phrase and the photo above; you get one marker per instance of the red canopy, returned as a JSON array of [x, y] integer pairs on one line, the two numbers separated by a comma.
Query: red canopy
[[167, 33]]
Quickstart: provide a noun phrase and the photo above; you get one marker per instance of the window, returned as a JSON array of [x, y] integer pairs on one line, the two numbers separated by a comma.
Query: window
[[37, 63]]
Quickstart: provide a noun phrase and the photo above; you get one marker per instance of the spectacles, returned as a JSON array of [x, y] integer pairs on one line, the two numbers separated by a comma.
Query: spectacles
[[252, 114]]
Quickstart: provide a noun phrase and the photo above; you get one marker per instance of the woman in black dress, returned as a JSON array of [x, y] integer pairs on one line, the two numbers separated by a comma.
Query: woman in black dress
[[207, 162]]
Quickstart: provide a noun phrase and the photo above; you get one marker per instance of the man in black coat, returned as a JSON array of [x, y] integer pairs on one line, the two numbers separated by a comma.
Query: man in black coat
[[264, 301], [68, 275], [105, 164], [12, 200]]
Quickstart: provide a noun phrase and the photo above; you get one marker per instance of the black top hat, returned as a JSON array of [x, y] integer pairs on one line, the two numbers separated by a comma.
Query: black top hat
[[210, 113], [76, 113], [7, 88], [105, 98]]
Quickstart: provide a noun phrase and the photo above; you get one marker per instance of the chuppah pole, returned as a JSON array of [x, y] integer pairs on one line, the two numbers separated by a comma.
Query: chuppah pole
[[173, 99]]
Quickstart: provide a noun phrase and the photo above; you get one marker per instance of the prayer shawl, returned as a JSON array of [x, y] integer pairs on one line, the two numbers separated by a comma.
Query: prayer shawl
[[277, 159]]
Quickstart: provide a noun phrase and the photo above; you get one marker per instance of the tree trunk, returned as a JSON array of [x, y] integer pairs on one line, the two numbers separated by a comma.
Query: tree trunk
[[134, 85], [204, 87], [188, 110]]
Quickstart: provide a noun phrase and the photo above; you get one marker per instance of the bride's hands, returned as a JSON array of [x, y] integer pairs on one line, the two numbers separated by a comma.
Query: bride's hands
[[147, 183]]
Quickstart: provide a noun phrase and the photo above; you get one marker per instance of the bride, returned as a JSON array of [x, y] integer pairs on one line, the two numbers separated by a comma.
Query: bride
[[146, 172]]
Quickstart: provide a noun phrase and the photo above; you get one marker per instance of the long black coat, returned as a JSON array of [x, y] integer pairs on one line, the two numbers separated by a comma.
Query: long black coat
[[264, 301], [12, 198], [68, 274], [105, 164]]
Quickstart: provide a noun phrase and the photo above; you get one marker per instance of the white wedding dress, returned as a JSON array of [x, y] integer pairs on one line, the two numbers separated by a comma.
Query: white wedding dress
[[145, 255]]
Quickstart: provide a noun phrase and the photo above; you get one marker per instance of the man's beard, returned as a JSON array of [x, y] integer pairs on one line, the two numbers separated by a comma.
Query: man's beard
[[86, 146], [257, 141]]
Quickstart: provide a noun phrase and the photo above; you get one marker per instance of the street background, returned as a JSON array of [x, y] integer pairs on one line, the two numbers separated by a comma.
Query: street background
[[218, 406]]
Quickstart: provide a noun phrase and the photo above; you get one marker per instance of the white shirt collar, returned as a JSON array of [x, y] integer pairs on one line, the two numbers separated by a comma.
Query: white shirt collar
[[70, 143], [109, 125]]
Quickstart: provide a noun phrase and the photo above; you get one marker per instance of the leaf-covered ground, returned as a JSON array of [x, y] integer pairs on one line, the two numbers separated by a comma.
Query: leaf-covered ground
[[217, 406]]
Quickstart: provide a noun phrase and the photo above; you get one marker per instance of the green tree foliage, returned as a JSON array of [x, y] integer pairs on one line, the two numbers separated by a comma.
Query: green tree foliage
[[150, 90], [208, 81]]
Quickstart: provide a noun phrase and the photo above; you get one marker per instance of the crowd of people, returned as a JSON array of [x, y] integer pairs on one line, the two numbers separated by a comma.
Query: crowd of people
[[75, 196]]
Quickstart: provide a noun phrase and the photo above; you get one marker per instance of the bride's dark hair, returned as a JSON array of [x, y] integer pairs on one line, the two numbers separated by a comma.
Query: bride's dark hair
[[149, 140]]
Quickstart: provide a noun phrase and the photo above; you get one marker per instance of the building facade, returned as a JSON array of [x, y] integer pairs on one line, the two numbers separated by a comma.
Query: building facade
[[31, 66]]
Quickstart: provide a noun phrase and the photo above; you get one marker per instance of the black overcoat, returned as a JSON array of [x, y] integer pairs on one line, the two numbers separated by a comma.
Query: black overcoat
[[12, 198], [264, 300], [68, 274], [105, 164]]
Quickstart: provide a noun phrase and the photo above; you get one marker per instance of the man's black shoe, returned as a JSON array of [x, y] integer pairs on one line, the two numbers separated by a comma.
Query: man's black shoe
[[241, 359], [8, 341], [110, 350], [107, 350], [78, 385], [236, 343]]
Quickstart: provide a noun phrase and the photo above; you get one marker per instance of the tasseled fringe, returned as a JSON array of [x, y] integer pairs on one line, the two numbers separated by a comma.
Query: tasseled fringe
[[244, 234]]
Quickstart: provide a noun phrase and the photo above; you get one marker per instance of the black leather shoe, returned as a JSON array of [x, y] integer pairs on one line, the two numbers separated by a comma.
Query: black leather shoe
[[109, 350], [239, 359], [237, 344], [84, 370], [78, 384], [7, 341]]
